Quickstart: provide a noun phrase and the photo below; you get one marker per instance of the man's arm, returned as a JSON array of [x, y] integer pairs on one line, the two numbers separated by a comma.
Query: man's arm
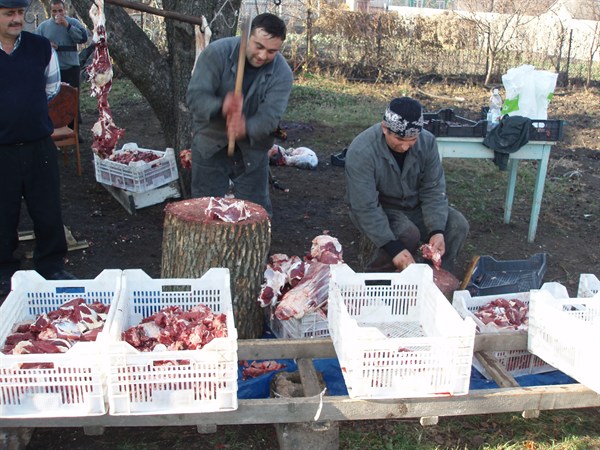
[[266, 118], [77, 31], [52, 76]]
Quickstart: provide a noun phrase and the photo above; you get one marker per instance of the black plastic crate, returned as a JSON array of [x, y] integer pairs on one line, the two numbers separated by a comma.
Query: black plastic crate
[[445, 123], [540, 130], [492, 277]]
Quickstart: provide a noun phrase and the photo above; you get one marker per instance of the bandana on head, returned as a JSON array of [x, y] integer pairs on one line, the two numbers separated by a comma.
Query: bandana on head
[[14, 3], [404, 117]]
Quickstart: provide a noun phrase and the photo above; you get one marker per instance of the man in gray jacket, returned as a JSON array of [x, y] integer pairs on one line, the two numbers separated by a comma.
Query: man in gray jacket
[[250, 118], [396, 190]]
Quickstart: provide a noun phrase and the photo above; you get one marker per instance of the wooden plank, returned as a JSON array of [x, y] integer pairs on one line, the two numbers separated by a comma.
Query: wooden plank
[[338, 408], [308, 377], [250, 349], [496, 370], [138, 200]]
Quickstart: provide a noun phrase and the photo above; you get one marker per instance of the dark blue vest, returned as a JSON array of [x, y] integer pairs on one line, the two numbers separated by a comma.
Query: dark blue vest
[[23, 103]]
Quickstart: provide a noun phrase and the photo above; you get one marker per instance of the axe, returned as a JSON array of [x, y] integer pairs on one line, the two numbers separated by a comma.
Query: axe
[[239, 76]]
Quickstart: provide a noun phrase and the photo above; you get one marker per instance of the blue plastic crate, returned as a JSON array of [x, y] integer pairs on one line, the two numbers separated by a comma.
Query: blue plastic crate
[[492, 277]]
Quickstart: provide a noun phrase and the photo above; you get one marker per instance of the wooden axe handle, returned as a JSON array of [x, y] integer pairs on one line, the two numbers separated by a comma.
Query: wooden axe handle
[[239, 76], [469, 273]]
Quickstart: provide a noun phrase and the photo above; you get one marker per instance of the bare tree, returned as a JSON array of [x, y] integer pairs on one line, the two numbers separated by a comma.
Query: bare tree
[[594, 10], [499, 22], [162, 76]]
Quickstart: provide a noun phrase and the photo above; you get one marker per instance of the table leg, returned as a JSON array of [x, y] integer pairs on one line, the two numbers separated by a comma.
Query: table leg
[[538, 192], [513, 164]]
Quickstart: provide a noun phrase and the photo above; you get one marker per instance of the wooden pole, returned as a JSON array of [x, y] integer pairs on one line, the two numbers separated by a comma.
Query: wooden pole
[[239, 76], [194, 241], [156, 11]]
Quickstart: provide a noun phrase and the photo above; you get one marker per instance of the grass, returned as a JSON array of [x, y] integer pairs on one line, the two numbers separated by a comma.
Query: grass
[[123, 92]]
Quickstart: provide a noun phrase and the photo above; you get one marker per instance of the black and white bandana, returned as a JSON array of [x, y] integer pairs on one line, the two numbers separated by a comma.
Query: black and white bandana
[[404, 117]]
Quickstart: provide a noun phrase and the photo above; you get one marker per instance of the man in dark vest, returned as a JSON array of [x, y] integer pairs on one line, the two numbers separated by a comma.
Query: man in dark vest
[[29, 77]]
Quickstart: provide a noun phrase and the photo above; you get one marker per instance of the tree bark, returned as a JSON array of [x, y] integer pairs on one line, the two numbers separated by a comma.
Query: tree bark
[[193, 242]]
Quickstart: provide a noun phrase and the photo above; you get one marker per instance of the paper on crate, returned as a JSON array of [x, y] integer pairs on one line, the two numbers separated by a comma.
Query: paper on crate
[[564, 332], [137, 176], [589, 285], [137, 384], [74, 385], [396, 335]]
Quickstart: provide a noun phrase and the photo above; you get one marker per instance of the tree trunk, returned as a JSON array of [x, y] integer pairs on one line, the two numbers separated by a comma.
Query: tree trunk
[[193, 242]]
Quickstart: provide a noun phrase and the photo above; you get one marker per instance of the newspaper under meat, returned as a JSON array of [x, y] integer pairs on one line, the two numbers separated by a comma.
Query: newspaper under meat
[[105, 133]]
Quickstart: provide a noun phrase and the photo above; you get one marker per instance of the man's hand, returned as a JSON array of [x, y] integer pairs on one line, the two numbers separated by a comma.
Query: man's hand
[[232, 105], [236, 126], [438, 243], [54, 45], [60, 20], [403, 259]]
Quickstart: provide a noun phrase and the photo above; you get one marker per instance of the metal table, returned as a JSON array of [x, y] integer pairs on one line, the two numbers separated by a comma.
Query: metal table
[[535, 150]]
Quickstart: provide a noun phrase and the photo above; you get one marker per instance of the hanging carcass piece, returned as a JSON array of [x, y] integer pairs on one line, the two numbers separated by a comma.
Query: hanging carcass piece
[[105, 133], [220, 232]]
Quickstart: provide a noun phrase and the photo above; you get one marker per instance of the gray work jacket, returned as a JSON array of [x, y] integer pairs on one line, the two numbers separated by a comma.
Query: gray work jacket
[[374, 183], [264, 104]]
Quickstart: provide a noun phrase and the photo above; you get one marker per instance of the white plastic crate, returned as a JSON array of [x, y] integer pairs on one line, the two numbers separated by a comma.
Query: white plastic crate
[[589, 285], [205, 380], [138, 176], [311, 325], [516, 362], [397, 336], [564, 332], [74, 385]]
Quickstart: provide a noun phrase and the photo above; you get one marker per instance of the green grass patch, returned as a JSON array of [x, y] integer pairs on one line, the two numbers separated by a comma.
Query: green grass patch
[[123, 92]]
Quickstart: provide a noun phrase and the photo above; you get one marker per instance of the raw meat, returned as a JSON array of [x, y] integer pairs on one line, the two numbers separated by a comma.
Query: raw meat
[[281, 274], [128, 156], [186, 158], [57, 331], [430, 253], [503, 313], [326, 249], [258, 368], [172, 328], [227, 209], [311, 293], [301, 157], [445, 281], [105, 133]]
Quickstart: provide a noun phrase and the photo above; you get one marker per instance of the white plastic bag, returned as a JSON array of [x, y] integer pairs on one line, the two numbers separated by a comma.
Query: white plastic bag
[[528, 92]]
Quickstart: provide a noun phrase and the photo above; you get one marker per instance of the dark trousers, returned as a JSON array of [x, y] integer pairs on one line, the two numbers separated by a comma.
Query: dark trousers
[[30, 172]]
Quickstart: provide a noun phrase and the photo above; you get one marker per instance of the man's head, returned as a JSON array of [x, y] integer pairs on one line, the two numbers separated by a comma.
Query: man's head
[[402, 123], [12, 14], [267, 34], [57, 8]]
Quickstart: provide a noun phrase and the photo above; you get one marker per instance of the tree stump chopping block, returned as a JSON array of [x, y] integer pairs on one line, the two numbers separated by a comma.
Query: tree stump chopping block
[[194, 241]]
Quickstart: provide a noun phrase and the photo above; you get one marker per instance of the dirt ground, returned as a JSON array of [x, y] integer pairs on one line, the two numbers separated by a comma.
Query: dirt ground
[[568, 229]]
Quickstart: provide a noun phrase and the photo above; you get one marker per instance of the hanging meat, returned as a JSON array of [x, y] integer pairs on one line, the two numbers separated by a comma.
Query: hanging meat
[[105, 133]]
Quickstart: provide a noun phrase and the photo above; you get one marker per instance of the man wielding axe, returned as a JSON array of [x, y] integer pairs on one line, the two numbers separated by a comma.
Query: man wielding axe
[[246, 116]]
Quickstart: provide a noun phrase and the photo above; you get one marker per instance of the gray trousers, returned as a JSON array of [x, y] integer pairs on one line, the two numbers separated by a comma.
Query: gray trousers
[[211, 178], [409, 228]]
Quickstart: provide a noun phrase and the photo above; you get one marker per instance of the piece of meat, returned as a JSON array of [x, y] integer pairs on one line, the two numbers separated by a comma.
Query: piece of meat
[[326, 249], [227, 209], [258, 368], [430, 253], [445, 281], [185, 156], [310, 294], [104, 132]]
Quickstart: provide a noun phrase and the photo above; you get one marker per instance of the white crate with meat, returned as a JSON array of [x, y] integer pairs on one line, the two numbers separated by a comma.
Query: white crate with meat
[[564, 332], [173, 346], [589, 285], [136, 169], [52, 338], [397, 336], [501, 313]]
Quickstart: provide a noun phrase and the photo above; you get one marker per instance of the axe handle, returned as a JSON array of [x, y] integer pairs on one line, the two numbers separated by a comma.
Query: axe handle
[[239, 76], [469, 272]]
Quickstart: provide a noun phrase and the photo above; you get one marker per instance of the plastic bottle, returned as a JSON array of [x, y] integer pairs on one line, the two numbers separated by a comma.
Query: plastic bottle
[[494, 113]]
